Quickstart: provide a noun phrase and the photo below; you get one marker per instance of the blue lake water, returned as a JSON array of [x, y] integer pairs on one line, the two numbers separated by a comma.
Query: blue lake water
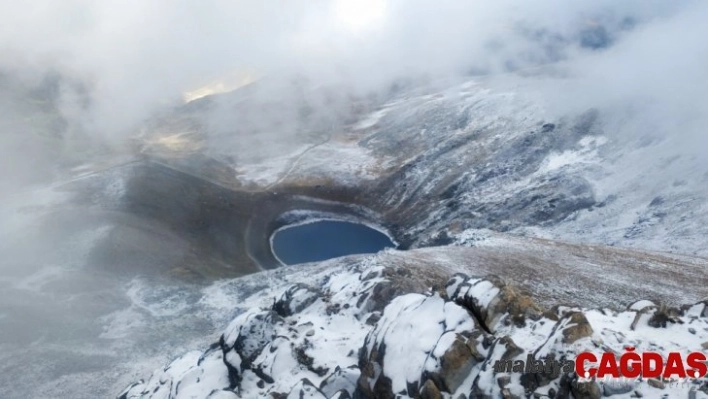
[[326, 239]]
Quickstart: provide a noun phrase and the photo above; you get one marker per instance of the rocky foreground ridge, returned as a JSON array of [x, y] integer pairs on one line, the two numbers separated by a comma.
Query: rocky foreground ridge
[[404, 324]]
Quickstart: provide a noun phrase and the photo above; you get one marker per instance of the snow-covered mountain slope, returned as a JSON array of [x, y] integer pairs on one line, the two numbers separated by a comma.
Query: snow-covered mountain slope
[[394, 325], [125, 264], [485, 153], [459, 176]]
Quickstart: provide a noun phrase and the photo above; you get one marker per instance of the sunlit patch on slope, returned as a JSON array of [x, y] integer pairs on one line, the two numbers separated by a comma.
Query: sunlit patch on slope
[[171, 143], [228, 83]]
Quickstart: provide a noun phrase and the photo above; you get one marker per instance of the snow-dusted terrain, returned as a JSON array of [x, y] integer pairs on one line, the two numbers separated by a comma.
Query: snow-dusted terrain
[[484, 153], [366, 327], [123, 266], [439, 168]]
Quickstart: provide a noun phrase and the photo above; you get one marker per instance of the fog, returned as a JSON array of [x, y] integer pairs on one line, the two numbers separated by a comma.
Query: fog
[[120, 62], [80, 79]]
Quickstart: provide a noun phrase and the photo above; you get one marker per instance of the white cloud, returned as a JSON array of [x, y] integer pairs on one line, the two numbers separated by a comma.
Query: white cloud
[[135, 55]]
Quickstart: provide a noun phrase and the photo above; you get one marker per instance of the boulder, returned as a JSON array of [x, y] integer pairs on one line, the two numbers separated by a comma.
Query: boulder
[[296, 299], [495, 373], [245, 339], [655, 383], [492, 301], [190, 375], [342, 379], [394, 281], [664, 315], [456, 362], [585, 390], [699, 309], [430, 391], [446, 347], [641, 305], [575, 326]]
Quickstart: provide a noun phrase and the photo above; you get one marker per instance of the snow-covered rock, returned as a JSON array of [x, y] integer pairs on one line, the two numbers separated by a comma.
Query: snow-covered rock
[[492, 300], [419, 338], [432, 343], [452, 166]]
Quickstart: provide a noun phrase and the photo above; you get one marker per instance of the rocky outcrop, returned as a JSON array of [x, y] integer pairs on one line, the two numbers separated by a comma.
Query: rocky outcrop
[[295, 299], [342, 380], [493, 301], [362, 335], [448, 344]]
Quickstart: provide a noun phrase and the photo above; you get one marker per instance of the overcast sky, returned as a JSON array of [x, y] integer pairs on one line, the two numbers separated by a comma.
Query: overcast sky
[[135, 55]]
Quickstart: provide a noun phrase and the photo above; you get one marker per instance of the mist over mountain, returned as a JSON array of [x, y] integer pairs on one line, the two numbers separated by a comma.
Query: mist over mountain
[[134, 58], [538, 167]]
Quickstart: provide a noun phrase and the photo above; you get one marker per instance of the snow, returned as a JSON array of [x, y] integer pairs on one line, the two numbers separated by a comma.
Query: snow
[[641, 304], [483, 292], [415, 330], [408, 339], [268, 170], [587, 153], [127, 331], [371, 120]]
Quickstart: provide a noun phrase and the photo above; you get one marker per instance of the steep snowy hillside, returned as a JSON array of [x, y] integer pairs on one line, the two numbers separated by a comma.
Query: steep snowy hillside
[[478, 154]]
